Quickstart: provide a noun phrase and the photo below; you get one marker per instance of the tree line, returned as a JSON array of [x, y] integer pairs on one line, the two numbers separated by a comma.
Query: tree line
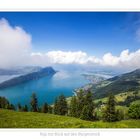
[[80, 106]]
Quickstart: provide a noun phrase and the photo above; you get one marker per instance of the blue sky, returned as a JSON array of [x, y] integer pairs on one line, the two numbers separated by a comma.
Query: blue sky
[[106, 39], [93, 32]]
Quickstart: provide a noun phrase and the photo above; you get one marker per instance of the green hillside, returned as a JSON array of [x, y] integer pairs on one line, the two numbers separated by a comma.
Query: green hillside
[[121, 97], [123, 83], [14, 119]]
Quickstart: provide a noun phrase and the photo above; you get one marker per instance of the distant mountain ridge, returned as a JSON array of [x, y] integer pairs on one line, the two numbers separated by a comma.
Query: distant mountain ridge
[[122, 83], [19, 70], [28, 77]]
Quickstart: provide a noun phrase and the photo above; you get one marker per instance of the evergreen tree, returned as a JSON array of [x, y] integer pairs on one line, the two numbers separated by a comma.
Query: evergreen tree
[[4, 103], [39, 109], [50, 109], [34, 103], [73, 107], [88, 98], [45, 108], [19, 107], [88, 112], [110, 112], [11, 107], [135, 93], [60, 106], [119, 115], [80, 102], [25, 108], [55, 107]]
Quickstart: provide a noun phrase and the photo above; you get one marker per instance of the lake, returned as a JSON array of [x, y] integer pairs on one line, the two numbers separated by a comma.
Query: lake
[[46, 88]]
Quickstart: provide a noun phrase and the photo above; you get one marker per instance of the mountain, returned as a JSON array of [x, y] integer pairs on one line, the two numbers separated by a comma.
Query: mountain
[[118, 84], [47, 71], [19, 70], [10, 73]]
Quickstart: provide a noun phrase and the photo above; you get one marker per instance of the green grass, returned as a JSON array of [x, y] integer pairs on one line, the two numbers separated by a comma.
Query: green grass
[[136, 102], [119, 97], [13, 119]]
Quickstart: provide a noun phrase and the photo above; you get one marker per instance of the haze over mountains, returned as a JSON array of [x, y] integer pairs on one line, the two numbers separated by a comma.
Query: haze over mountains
[[25, 74], [9, 73]]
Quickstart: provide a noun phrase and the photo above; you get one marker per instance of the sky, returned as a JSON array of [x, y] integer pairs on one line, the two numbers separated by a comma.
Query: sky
[[107, 39]]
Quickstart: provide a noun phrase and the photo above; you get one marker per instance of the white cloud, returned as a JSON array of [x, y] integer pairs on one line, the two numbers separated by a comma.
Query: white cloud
[[15, 50], [69, 57], [109, 59], [15, 45], [125, 60], [63, 57]]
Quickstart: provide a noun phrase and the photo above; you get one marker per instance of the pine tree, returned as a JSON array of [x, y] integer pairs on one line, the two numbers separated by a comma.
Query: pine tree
[[88, 109], [73, 107], [86, 113], [80, 102], [45, 108], [60, 105], [25, 108], [119, 115], [50, 109], [110, 112], [4, 103], [19, 107], [135, 93], [55, 107], [11, 107], [39, 109], [34, 103]]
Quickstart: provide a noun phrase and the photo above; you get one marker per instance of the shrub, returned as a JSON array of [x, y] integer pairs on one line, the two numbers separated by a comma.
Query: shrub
[[134, 111]]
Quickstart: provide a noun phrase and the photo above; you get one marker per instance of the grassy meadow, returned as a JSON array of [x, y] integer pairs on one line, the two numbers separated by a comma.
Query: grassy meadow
[[14, 119]]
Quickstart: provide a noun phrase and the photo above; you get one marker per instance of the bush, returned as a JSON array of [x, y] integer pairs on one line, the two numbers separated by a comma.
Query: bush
[[134, 111]]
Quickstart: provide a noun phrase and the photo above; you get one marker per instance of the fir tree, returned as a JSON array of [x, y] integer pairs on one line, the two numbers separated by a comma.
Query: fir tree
[[34, 103], [19, 107], [45, 108], [73, 107], [25, 108], [110, 112], [80, 102], [119, 115], [39, 109], [50, 109], [88, 109], [60, 105], [11, 107], [86, 113], [4, 103], [55, 107]]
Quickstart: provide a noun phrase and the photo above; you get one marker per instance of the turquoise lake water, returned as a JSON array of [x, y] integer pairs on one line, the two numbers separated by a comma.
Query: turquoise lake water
[[46, 88]]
